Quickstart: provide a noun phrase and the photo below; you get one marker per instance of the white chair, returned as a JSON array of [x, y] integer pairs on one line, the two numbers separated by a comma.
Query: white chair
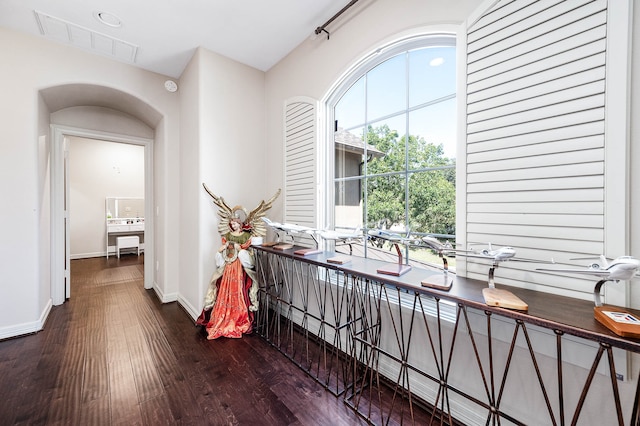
[[128, 242]]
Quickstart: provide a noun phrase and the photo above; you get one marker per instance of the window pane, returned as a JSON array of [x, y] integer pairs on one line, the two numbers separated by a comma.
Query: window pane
[[436, 125], [432, 74], [386, 202], [348, 204], [387, 88], [387, 137], [349, 153], [432, 202], [349, 111]]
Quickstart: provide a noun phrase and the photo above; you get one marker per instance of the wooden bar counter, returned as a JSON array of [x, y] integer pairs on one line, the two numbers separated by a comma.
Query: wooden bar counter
[[390, 339]]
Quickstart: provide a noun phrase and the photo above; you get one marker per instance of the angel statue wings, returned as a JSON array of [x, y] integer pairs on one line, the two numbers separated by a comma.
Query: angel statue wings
[[232, 296]]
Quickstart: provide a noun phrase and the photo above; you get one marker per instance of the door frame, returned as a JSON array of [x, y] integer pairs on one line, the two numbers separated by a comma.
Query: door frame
[[59, 247]]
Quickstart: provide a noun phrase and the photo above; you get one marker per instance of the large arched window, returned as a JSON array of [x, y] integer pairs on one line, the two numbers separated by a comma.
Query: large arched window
[[395, 143]]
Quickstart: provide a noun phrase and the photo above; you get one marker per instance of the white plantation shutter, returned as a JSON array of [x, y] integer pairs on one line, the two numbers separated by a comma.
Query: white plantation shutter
[[300, 141], [536, 136]]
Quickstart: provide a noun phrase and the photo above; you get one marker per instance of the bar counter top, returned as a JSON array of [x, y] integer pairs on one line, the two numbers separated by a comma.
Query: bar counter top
[[558, 313]]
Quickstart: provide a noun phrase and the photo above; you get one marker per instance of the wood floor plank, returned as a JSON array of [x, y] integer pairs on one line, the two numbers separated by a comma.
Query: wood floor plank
[[30, 380], [155, 411], [7, 391], [180, 398], [167, 365], [205, 392], [32, 412], [123, 392], [95, 412], [116, 345], [66, 400], [72, 362], [148, 382], [95, 382]]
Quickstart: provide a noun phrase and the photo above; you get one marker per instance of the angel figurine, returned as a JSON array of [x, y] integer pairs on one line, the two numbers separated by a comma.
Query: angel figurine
[[232, 297]]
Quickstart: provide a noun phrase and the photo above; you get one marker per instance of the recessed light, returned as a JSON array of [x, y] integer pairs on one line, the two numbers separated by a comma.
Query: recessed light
[[436, 62], [108, 19]]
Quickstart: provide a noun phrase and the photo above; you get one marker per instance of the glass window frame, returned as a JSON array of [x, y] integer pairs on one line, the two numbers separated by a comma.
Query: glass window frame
[[358, 71]]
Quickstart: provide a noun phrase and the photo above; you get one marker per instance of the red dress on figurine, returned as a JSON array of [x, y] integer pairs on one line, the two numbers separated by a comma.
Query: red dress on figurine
[[231, 299]]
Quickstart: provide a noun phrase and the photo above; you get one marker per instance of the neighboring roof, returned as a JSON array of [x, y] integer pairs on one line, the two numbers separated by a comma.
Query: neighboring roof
[[347, 141]]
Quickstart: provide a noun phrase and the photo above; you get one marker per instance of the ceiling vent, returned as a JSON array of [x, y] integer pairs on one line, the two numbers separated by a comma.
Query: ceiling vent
[[84, 38]]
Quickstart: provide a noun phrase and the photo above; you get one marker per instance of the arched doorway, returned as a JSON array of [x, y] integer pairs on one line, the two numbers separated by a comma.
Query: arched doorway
[[85, 107]]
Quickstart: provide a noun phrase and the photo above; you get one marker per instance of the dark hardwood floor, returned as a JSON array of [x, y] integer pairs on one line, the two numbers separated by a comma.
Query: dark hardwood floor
[[113, 354]]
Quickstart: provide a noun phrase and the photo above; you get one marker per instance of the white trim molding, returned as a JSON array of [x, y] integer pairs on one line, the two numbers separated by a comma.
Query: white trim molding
[[58, 134], [18, 330]]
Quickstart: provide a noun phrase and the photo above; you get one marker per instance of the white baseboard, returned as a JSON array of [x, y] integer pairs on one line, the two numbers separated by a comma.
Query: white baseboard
[[27, 327], [189, 308], [86, 255], [99, 253], [164, 298]]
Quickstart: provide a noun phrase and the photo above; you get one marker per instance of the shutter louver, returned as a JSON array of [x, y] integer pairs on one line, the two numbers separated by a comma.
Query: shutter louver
[[300, 166], [535, 135]]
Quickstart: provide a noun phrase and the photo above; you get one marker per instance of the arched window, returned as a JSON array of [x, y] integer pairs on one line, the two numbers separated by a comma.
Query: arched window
[[394, 151]]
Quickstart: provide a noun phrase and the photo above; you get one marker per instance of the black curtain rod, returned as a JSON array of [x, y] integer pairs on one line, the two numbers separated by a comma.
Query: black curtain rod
[[322, 27]]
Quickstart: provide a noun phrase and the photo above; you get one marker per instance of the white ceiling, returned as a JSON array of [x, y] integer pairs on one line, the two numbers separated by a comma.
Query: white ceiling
[[162, 35]]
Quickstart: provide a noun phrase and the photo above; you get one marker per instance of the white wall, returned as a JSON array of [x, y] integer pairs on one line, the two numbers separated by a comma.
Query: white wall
[[190, 110], [102, 119], [222, 146], [32, 64], [97, 170]]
